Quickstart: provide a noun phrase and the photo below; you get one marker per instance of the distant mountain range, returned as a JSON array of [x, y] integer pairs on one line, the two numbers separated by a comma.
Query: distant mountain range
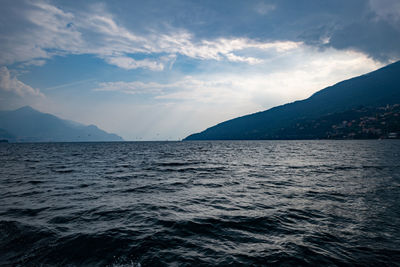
[[377, 90], [29, 125]]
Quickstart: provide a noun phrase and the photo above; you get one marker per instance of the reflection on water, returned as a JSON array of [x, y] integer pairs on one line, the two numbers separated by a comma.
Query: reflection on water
[[202, 203]]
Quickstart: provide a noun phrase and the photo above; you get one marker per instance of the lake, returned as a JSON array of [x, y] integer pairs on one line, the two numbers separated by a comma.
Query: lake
[[200, 203]]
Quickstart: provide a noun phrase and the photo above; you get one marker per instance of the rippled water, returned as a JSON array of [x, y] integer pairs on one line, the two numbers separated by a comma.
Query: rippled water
[[200, 203]]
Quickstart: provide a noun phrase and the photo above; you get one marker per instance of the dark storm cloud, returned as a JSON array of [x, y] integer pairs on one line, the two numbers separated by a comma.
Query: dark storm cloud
[[378, 39], [372, 27]]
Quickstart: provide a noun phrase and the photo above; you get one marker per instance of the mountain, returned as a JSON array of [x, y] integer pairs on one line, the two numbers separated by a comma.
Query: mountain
[[29, 125], [375, 89]]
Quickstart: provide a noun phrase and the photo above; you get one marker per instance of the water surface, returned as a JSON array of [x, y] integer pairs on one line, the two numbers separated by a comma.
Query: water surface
[[200, 203]]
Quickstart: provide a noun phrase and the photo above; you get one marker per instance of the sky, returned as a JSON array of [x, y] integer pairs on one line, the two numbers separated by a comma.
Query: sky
[[161, 70]]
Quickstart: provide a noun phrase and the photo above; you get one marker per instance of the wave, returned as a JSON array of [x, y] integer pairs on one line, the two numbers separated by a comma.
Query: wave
[[200, 204]]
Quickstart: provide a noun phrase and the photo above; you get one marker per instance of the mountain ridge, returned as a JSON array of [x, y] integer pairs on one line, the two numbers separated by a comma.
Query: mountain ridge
[[26, 124], [377, 88]]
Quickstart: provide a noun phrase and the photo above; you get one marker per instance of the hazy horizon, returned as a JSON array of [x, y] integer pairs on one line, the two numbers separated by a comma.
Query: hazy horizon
[[147, 71]]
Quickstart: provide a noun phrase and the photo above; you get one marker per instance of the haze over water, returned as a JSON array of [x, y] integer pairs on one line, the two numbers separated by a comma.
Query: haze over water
[[200, 203]]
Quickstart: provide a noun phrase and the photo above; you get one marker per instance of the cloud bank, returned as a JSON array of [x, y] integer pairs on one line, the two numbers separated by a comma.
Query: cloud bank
[[41, 30], [52, 31]]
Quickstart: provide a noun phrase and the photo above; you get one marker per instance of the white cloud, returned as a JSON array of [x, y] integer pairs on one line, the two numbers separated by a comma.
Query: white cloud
[[250, 60], [12, 84], [52, 31], [221, 48], [129, 63], [46, 31]]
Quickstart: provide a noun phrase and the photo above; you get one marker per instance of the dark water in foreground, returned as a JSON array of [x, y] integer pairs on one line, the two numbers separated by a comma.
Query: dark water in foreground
[[200, 203]]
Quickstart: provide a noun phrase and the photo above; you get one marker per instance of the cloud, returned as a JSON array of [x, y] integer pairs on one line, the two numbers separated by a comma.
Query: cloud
[[12, 84], [51, 31], [37, 31], [386, 9], [380, 39], [129, 63], [41, 30], [116, 39], [250, 60], [226, 48], [371, 27], [259, 84]]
